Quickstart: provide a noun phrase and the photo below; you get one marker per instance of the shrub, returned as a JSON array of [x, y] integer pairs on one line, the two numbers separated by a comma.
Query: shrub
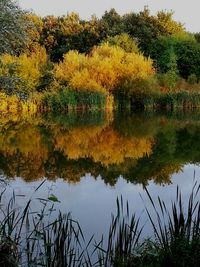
[[24, 70], [126, 42], [103, 70], [168, 79], [192, 79]]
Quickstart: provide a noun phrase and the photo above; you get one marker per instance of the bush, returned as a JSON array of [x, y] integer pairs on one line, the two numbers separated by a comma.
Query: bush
[[126, 42], [24, 71], [103, 70], [192, 79], [137, 93], [168, 79]]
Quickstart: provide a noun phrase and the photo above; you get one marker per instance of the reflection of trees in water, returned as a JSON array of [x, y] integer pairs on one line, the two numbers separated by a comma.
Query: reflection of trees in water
[[103, 145], [40, 147]]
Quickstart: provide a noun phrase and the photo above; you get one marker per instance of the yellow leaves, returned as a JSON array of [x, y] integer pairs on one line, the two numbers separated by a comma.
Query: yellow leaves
[[107, 51], [22, 140], [8, 103], [137, 67], [111, 148], [83, 80], [72, 62], [50, 22], [27, 67], [125, 42], [70, 24], [5, 61], [109, 102], [103, 70], [21, 137], [103, 145], [30, 67], [49, 41], [35, 27], [12, 104], [93, 26], [33, 32], [165, 20]]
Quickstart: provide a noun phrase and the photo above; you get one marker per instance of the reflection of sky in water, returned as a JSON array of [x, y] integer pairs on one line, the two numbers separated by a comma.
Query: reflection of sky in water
[[91, 201]]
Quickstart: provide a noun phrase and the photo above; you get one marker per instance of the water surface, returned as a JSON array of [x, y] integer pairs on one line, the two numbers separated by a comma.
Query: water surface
[[89, 159]]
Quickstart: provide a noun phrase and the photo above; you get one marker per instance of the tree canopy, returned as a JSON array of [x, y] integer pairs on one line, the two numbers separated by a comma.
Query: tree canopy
[[12, 27]]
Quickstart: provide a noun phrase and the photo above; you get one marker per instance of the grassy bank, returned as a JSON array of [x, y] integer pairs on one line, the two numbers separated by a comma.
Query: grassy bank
[[62, 101], [70, 100], [28, 239], [159, 101]]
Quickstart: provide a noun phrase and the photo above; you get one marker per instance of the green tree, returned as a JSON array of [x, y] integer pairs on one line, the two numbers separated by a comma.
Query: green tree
[[197, 37], [147, 28], [12, 27], [177, 51], [188, 54], [166, 62], [112, 22]]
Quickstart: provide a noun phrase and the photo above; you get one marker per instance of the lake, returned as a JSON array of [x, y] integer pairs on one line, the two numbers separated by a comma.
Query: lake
[[87, 160]]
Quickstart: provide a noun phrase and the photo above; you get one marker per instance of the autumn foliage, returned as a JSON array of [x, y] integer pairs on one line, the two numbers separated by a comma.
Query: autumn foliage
[[103, 70], [131, 60]]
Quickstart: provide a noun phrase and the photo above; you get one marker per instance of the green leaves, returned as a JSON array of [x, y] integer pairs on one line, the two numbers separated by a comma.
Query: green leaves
[[12, 27], [53, 198], [180, 53], [67, 99]]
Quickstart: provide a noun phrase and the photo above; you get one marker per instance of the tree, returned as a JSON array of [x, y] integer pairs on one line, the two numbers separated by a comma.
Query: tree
[[197, 37], [125, 42], [188, 54], [112, 22], [62, 34], [167, 25], [177, 51], [147, 28], [33, 31], [20, 75], [12, 27], [137, 26]]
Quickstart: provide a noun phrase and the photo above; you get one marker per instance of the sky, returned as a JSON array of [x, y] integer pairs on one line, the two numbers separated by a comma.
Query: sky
[[186, 11]]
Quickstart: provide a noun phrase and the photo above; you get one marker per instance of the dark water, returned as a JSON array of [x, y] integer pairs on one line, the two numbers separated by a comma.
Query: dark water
[[90, 159]]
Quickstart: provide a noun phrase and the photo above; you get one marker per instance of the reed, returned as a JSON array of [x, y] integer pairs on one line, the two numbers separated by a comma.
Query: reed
[[177, 231], [185, 100], [33, 239], [123, 239], [68, 99]]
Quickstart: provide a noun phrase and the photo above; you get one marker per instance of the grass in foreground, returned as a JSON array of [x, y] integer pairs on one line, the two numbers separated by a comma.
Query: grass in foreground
[[32, 239]]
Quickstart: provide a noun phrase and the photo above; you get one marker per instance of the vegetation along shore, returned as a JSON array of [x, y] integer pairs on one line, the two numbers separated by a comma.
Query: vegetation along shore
[[62, 63], [61, 242]]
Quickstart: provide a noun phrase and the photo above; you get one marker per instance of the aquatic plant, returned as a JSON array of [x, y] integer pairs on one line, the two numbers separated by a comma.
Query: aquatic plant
[[32, 240]]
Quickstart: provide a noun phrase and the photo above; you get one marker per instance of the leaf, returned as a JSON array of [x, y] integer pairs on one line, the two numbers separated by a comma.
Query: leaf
[[53, 198]]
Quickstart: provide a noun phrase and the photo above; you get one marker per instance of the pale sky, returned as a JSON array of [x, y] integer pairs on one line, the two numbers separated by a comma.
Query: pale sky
[[187, 12]]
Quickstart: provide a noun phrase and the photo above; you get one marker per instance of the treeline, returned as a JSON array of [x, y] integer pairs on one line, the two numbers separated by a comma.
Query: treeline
[[59, 63]]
